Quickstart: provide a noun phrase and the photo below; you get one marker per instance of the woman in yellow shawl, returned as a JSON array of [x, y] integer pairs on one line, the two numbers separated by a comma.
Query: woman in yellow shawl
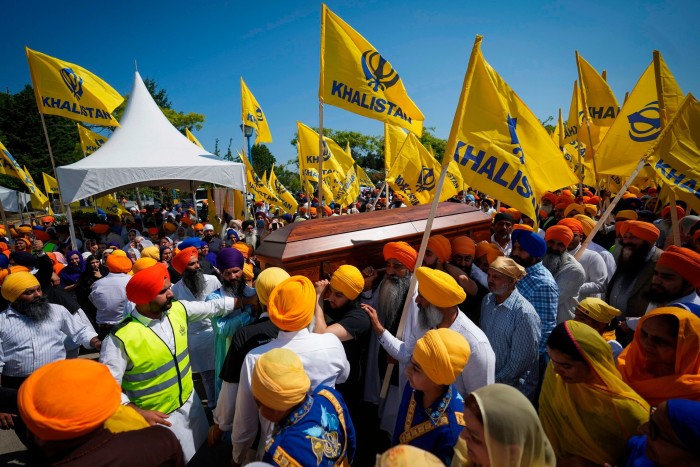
[[663, 360], [501, 428], [586, 409]]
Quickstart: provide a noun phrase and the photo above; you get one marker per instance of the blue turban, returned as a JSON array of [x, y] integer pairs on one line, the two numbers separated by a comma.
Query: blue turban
[[530, 242], [684, 416], [228, 258], [194, 241], [233, 232], [4, 261]]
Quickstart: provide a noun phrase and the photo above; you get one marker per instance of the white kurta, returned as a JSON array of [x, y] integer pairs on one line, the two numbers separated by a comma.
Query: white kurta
[[596, 280]]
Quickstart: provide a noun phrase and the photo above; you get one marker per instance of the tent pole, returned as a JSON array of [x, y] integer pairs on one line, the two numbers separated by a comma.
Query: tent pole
[[71, 226], [138, 201], [4, 222], [20, 208], [48, 145], [194, 201]]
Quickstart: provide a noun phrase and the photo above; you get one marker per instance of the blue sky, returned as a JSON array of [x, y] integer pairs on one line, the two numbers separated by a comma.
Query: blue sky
[[198, 50]]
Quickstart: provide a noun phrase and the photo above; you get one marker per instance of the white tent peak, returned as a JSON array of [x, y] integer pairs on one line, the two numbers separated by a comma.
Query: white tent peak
[[146, 150]]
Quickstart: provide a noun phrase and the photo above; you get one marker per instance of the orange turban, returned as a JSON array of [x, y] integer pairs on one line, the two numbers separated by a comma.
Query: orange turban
[[100, 229], [68, 399], [684, 262], [401, 252], [243, 247], [169, 227], [186, 220], [183, 257], [442, 355], [16, 283], [559, 232], [248, 273], [489, 249], [41, 235], [198, 226], [644, 230], [312, 210], [439, 288], [146, 284], [119, 264], [291, 304], [594, 200], [587, 223], [47, 219], [572, 223], [141, 263], [327, 210], [620, 228], [523, 227], [551, 197], [463, 245], [441, 247], [667, 212], [515, 214], [348, 280]]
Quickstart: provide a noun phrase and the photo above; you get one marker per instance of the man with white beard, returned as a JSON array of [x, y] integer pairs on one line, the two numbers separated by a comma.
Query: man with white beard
[[250, 235], [195, 287], [438, 297], [567, 272]]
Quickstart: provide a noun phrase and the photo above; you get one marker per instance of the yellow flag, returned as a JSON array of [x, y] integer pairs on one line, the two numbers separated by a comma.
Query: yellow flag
[[256, 186], [677, 156], [192, 138], [13, 169], [253, 115], [211, 211], [602, 106], [349, 189], [394, 138], [38, 198], [576, 115], [50, 184], [639, 123], [65, 89], [287, 202], [89, 140], [415, 174], [362, 177], [355, 77], [110, 205], [334, 157], [501, 147], [308, 173]]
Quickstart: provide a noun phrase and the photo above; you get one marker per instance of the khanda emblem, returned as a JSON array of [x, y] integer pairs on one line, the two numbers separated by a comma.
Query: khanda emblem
[[73, 82], [259, 114], [518, 150], [645, 124], [324, 437], [426, 179], [326, 152], [182, 330], [378, 72]]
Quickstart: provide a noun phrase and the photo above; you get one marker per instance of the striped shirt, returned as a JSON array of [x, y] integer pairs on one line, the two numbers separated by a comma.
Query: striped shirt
[[513, 329], [539, 288], [26, 345]]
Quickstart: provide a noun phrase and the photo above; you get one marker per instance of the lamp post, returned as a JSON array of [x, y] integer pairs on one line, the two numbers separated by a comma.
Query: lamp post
[[248, 132]]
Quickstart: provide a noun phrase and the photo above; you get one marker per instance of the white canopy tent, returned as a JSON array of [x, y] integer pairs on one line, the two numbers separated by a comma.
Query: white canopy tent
[[12, 200], [146, 150]]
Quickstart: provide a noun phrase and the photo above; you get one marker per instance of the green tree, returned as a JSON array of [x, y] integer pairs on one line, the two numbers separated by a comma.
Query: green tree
[[263, 159], [368, 151]]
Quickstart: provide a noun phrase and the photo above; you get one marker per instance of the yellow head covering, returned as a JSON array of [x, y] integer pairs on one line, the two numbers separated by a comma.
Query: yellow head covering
[[119, 253], [597, 309], [248, 272], [442, 354], [578, 208], [508, 267], [291, 304], [587, 223], [439, 288], [592, 420], [143, 263], [279, 380], [151, 252], [405, 455], [348, 280], [267, 280], [590, 209], [16, 283], [626, 214]]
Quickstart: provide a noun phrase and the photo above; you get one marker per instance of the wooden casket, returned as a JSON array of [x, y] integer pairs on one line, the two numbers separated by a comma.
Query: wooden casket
[[316, 248]]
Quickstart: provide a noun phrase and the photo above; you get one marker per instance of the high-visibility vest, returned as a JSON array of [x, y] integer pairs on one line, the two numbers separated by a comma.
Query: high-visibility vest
[[159, 379]]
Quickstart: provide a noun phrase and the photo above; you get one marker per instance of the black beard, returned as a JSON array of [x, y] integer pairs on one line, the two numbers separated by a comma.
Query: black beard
[[234, 287], [465, 269], [37, 310], [522, 262], [553, 261], [663, 296], [195, 281], [635, 262], [392, 295]]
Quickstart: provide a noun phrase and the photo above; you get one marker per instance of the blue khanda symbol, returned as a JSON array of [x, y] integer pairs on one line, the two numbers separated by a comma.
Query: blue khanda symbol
[[378, 72], [259, 115], [74, 83], [326, 152], [645, 124], [426, 179], [518, 150]]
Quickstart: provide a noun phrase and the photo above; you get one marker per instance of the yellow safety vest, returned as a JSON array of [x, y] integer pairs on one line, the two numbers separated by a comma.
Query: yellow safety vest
[[159, 380]]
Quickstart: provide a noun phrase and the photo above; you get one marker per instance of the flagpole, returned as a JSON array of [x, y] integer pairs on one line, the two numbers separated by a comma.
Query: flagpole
[[4, 222], [419, 262], [320, 158], [588, 123], [53, 163], [386, 172]]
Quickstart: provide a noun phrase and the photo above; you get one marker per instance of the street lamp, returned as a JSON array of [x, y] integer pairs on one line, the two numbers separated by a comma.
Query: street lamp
[[248, 132]]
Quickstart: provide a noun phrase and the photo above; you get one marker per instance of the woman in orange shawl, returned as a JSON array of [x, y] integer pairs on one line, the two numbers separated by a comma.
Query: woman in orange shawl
[[587, 411], [663, 360]]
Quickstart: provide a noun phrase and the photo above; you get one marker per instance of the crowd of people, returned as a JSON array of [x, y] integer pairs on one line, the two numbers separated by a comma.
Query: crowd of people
[[538, 347]]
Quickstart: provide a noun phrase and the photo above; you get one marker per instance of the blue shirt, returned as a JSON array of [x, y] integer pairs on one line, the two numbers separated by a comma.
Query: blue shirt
[[319, 432], [540, 289], [513, 329], [434, 429]]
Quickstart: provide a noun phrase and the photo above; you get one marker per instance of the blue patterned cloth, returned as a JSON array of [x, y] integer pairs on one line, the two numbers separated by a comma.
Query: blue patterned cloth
[[434, 429], [541, 290], [318, 433]]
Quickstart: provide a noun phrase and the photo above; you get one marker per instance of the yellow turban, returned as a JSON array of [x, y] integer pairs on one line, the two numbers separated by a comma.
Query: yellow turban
[[87, 397], [597, 309], [16, 283], [169, 227], [119, 253], [348, 280], [590, 209], [440, 245], [279, 381], [142, 263], [587, 223], [439, 288], [508, 267], [442, 354], [151, 252], [405, 455], [267, 280], [578, 208], [626, 214], [291, 304], [248, 273]]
